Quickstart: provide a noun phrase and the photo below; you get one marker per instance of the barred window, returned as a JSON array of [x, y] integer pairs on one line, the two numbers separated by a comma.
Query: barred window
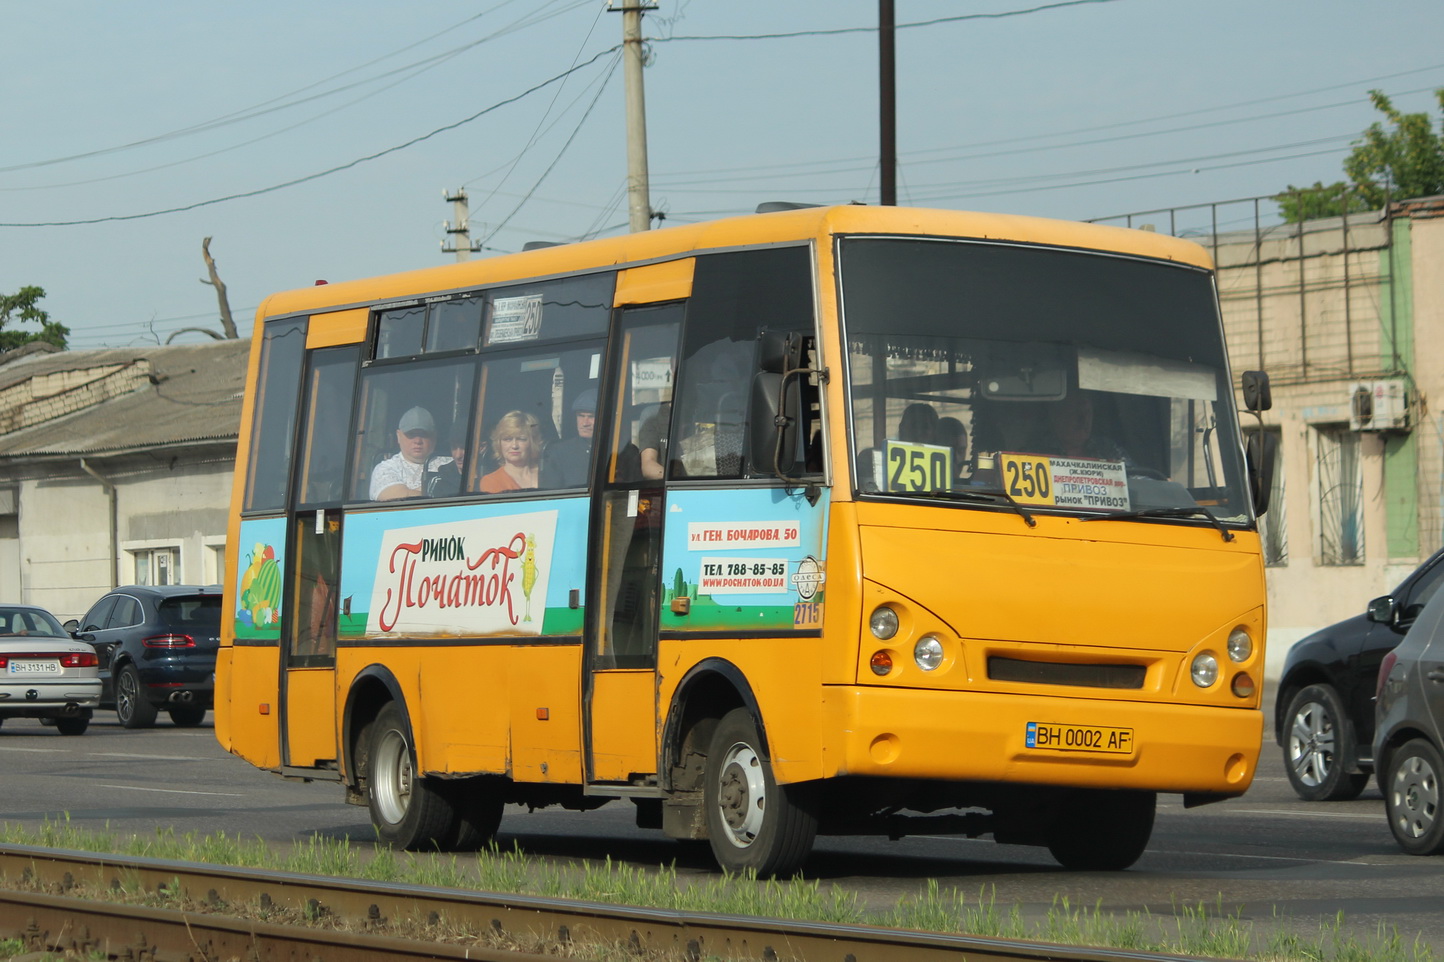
[[1340, 496]]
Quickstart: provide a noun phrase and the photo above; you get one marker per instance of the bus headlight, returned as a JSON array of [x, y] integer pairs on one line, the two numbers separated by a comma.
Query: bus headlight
[[928, 652], [1240, 645], [883, 622], [1204, 669]]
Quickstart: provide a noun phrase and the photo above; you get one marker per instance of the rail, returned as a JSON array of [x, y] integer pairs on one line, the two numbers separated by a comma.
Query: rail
[[212, 912]]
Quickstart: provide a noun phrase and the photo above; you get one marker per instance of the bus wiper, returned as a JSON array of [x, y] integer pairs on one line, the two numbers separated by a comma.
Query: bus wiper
[[984, 496], [1181, 511]]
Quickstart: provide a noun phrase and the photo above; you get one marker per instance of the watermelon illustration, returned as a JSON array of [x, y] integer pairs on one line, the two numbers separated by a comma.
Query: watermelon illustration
[[261, 588]]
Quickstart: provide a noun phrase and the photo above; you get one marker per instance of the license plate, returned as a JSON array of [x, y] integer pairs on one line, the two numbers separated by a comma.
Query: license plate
[[1053, 737], [34, 666]]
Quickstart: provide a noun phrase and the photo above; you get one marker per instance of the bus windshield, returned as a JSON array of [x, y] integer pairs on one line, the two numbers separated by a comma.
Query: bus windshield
[[1069, 382]]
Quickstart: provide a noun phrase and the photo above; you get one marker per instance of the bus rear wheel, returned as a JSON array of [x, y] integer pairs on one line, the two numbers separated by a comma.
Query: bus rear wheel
[[1101, 831], [408, 810], [753, 823]]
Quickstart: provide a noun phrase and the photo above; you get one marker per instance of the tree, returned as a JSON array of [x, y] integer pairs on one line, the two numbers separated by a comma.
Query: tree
[[1400, 161], [21, 307], [227, 325]]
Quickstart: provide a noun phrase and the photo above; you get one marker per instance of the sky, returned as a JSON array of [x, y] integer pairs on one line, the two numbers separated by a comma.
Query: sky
[[319, 140]]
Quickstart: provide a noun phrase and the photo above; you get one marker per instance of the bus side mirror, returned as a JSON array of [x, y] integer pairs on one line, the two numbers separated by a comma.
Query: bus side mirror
[[776, 425], [1260, 452], [774, 352], [1256, 394]]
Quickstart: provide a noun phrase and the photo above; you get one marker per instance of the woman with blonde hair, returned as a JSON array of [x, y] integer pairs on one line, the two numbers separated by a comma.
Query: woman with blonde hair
[[516, 445]]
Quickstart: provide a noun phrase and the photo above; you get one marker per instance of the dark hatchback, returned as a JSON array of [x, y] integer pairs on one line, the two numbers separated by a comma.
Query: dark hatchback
[[1324, 709], [157, 646]]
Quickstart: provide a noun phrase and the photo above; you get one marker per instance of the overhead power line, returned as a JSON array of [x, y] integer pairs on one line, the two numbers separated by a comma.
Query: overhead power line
[[286, 101], [323, 173], [836, 31]]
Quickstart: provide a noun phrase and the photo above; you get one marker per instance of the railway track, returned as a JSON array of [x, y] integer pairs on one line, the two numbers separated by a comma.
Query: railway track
[[167, 911]]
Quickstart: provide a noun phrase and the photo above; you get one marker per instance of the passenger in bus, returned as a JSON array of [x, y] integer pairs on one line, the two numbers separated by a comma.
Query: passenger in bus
[[1070, 425], [918, 424], [403, 474], [517, 447], [652, 440], [566, 462], [450, 479], [954, 434]]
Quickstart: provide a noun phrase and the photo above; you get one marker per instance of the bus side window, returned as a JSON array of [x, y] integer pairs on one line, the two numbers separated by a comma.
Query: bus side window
[[735, 296], [538, 393], [405, 419], [283, 351], [327, 409]]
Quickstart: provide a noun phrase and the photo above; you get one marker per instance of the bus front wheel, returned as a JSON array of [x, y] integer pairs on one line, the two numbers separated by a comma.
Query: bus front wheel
[[1100, 830], [409, 810], [753, 823]]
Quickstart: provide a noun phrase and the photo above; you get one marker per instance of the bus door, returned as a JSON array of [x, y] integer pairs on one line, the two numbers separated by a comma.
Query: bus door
[[620, 689], [313, 603]]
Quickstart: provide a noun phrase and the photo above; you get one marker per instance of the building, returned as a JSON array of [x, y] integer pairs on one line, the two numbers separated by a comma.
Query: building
[[115, 468]]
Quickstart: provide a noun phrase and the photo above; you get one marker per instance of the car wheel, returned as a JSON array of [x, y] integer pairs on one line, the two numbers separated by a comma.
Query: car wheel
[[1098, 830], [131, 705], [186, 716], [1411, 798], [73, 724], [753, 823], [409, 811], [1317, 748]]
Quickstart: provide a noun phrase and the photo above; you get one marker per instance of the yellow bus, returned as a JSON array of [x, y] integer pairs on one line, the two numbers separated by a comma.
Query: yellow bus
[[847, 520]]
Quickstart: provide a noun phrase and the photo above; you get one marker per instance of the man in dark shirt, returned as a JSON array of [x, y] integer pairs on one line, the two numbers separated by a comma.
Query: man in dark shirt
[[567, 463]]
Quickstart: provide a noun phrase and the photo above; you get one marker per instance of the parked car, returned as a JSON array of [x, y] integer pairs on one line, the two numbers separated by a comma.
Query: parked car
[[157, 646], [45, 673], [1407, 736], [1324, 709]]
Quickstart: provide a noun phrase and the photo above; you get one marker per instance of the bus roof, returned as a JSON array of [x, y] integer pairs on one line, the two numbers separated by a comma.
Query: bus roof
[[750, 230]]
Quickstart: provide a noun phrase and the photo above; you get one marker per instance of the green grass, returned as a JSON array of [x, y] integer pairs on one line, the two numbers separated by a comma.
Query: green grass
[[1201, 929]]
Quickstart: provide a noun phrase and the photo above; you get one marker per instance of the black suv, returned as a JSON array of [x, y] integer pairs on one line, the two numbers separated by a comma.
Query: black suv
[[157, 646], [1324, 710]]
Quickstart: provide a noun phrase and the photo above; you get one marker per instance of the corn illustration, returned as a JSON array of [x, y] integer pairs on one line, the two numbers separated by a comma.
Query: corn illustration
[[528, 573]]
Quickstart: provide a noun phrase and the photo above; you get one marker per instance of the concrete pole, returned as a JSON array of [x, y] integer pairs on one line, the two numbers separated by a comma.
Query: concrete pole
[[639, 201], [887, 103], [460, 231]]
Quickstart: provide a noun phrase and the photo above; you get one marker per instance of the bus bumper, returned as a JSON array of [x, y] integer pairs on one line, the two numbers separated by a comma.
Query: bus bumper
[[1077, 742]]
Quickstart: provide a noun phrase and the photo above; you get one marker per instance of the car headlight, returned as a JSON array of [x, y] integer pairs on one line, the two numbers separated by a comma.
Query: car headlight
[[928, 652], [1204, 669], [1240, 645], [883, 622]]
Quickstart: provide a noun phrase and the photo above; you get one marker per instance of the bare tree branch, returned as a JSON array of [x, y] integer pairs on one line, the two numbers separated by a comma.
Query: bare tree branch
[[228, 325]]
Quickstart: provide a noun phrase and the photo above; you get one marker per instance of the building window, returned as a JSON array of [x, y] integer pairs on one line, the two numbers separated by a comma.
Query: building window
[[215, 554], [1340, 496], [157, 566]]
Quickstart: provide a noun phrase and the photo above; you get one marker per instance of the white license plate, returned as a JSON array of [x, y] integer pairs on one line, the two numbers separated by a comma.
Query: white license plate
[[34, 666], [1056, 737]]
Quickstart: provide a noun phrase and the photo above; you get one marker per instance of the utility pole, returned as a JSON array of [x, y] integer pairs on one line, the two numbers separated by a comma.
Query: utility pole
[[887, 102], [639, 199], [461, 244]]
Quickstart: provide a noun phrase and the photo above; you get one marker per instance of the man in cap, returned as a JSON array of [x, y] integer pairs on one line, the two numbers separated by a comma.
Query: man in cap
[[567, 463], [402, 474]]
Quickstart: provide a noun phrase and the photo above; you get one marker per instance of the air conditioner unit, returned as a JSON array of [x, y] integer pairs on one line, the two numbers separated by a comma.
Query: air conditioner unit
[[1379, 405]]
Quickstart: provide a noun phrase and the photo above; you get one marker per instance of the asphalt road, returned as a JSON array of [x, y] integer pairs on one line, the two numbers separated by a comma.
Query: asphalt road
[[1267, 857]]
